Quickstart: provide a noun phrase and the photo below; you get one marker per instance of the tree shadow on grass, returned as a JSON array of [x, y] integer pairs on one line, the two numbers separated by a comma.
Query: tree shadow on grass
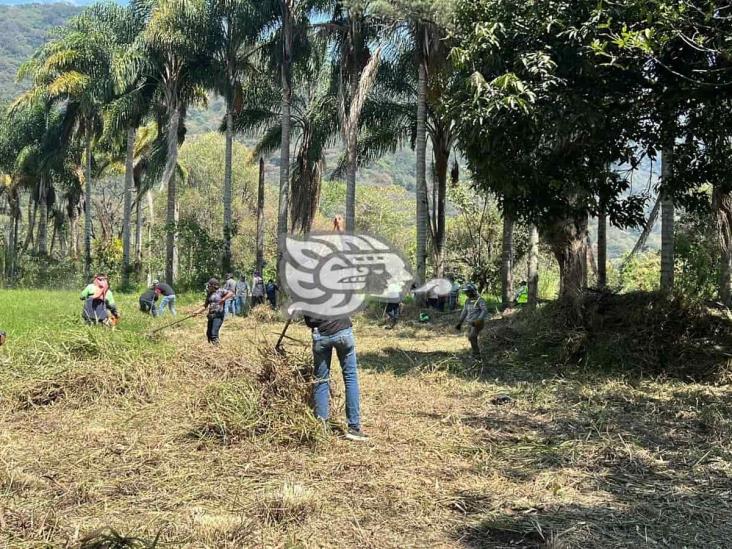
[[647, 469]]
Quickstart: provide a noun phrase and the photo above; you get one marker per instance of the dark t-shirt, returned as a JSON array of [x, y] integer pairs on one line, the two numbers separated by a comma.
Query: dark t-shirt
[[328, 327], [165, 289], [149, 295]]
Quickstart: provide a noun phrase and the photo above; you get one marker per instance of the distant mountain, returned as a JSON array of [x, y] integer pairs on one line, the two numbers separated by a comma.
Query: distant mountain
[[23, 29]]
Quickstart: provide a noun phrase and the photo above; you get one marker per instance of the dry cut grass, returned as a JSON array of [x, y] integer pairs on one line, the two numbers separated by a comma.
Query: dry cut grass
[[218, 448]]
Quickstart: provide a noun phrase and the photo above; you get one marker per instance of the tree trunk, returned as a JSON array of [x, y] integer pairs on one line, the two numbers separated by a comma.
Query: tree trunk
[[602, 248], [228, 189], [284, 196], [421, 183], [74, 234], [127, 211], [722, 205], [667, 222], [150, 225], [643, 238], [260, 218], [568, 241], [507, 291], [138, 233], [169, 179], [42, 242], [533, 274], [442, 160], [88, 212], [32, 210], [351, 171]]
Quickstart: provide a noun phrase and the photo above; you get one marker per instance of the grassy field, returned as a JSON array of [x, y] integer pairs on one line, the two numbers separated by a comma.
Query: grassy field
[[165, 437]]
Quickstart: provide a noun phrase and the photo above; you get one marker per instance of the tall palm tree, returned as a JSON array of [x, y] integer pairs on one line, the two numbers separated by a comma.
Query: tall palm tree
[[174, 52], [236, 27], [74, 69], [353, 30], [313, 124]]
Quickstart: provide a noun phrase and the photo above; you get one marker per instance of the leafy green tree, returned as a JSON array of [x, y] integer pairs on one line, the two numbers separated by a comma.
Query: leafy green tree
[[542, 118]]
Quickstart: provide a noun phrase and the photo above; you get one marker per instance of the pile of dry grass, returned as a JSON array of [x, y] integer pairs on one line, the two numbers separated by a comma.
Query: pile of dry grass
[[274, 406], [642, 332], [289, 503]]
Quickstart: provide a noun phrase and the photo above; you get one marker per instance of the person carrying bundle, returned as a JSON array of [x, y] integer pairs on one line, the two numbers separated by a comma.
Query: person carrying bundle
[[99, 305], [474, 313], [216, 299]]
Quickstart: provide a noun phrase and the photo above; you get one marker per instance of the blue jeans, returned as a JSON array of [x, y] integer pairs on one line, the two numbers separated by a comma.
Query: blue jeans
[[345, 347], [230, 308], [167, 301]]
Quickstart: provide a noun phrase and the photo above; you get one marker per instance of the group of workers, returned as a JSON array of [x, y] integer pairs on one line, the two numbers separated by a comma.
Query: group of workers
[[328, 334]]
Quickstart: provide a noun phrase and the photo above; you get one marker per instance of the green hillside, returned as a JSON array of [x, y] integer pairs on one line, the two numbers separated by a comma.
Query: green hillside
[[23, 29]]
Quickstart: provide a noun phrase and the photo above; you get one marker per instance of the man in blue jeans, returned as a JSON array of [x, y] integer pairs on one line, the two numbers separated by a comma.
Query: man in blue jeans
[[168, 297], [328, 335]]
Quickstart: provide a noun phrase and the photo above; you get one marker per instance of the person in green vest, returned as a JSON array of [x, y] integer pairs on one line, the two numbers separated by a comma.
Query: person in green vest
[[99, 304]]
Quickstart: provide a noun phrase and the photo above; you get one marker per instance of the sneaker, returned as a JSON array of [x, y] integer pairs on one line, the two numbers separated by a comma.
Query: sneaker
[[356, 434]]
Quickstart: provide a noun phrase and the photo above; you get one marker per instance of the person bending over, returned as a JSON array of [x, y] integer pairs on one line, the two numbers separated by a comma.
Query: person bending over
[[168, 293], [147, 301], [99, 305], [329, 335]]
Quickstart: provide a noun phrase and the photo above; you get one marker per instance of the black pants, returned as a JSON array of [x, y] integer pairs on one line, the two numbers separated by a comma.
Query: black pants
[[214, 325], [257, 300]]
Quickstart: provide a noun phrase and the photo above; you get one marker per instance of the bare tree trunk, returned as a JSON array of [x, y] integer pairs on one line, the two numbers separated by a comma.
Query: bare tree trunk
[[138, 234], [442, 160], [643, 238], [667, 222], [42, 217], [74, 234], [591, 262], [722, 205], [228, 189], [533, 274], [421, 183], [284, 196], [127, 211], [32, 210], [507, 258], [150, 225], [602, 247], [360, 88], [260, 218], [88, 211], [568, 241], [169, 179]]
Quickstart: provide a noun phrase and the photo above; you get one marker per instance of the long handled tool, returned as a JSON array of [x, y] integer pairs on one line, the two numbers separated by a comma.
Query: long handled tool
[[156, 330], [278, 347]]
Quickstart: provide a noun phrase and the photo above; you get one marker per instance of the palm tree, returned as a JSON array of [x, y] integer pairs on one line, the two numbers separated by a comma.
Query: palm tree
[[237, 24], [74, 69], [174, 52], [313, 123]]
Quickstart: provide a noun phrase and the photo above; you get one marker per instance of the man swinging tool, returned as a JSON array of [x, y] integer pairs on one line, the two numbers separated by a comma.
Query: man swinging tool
[[99, 304], [216, 299]]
